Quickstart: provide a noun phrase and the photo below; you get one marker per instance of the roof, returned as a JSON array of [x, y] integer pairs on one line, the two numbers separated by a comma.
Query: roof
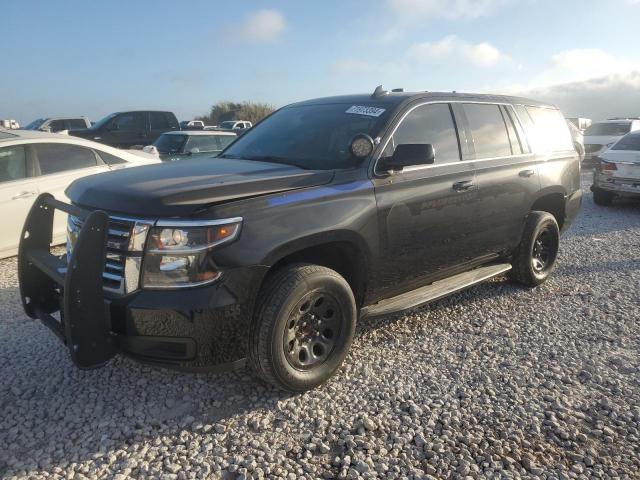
[[201, 132], [32, 134], [397, 98]]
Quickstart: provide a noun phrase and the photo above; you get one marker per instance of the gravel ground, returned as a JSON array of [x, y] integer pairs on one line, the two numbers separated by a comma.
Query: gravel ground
[[494, 382]]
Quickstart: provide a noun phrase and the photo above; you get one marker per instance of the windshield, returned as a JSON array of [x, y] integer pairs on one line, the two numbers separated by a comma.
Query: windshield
[[628, 142], [314, 137], [100, 123], [228, 124], [610, 129], [35, 124], [170, 143]]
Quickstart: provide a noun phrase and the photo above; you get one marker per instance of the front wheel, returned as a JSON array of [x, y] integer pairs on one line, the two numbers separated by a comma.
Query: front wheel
[[303, 327], [535, 257]]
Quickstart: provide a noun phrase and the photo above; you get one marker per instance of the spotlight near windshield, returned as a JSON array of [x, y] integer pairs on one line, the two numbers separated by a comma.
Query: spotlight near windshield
[[361, 145]]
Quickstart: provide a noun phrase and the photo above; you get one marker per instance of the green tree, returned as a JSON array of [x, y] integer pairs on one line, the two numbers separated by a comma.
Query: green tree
[[251, 111]]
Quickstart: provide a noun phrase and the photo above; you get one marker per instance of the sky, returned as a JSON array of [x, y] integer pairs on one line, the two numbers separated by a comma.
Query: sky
[[93, 58]]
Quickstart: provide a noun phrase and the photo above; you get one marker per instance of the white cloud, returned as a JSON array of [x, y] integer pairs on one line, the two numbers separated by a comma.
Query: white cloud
[[579, 66], [597, 98], [262, 26], [446, 8], [480, 54]]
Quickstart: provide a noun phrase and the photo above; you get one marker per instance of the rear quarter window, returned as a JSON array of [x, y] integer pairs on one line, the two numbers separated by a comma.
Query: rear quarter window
[[549, 132]]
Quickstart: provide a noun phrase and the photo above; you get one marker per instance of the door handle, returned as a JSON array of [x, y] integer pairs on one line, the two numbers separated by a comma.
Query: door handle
[[20, 195], [463, 186], [527, 173]]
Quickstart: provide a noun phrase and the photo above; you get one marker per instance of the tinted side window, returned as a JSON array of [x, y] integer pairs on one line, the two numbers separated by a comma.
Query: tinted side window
[[488, 129], [76, 123], [429, 124], [110, 159], [551, 130], [173, 121], [129, 121], [54, 158], [516, 146], [159, 121], [13, 163], [57, 125]]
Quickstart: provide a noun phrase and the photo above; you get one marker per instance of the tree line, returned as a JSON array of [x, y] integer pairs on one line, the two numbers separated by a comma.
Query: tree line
[[251, 111]]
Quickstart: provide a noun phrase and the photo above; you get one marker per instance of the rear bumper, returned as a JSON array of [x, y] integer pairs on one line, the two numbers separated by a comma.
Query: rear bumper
[[199, 328], [628, 187]]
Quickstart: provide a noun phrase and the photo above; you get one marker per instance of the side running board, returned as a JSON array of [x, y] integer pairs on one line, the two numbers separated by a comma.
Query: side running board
[[434, 291]]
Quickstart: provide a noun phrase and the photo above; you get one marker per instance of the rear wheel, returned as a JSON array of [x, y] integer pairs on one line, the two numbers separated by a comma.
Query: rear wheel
[[303, 327], [602, 197], [535, 257]]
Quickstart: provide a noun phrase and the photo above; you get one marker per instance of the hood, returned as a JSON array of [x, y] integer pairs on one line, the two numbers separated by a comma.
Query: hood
[[601, 139], [181, 188]]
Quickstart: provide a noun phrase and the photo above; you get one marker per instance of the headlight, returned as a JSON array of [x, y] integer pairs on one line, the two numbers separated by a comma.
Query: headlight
[[179, 256]]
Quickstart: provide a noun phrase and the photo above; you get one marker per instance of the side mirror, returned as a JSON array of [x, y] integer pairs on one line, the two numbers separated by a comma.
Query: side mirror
[[410, 154]]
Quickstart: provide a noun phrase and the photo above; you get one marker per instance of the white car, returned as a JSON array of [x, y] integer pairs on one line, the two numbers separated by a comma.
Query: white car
[[601, 135], [35, 162], [618, 171]]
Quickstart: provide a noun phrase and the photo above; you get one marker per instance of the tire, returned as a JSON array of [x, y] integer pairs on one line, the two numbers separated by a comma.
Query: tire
[[302, 328], [602, 197], [535, 256]]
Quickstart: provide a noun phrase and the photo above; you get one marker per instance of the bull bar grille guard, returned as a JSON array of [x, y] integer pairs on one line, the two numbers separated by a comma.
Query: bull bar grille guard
[[75, 287]]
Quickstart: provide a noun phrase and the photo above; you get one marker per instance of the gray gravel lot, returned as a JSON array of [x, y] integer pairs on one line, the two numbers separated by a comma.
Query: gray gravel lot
[[495, 381]]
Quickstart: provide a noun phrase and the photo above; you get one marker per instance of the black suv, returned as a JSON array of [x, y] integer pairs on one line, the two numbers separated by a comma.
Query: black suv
[[129, 129], [327, 211]]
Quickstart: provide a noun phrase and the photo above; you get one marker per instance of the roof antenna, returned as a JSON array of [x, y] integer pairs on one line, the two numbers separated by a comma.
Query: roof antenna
[[379, 92]]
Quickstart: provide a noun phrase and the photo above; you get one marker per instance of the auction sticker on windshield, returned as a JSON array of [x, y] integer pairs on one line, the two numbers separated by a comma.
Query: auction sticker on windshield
[[362, 110]]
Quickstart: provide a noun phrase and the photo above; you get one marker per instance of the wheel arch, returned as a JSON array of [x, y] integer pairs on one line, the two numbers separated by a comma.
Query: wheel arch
[[553, 201], [344, 251]]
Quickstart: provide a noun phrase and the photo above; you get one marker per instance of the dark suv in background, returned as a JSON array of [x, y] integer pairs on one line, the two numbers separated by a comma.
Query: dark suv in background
[[129, 129], [327, 211]]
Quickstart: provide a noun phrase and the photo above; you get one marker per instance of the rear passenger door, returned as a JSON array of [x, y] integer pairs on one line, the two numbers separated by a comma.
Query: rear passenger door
[[18, 190], [425, 213], [59, 164], [506, 171]]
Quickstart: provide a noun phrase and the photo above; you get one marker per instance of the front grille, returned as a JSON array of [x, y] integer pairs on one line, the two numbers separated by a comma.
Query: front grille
[[118, 238], [592, 148]]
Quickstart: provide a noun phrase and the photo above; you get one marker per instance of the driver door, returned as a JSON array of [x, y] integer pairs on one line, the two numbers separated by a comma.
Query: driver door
[[425, 212]]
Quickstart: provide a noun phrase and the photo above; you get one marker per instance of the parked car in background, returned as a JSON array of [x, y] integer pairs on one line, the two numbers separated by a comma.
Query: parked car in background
[[9, 124], [272, 252], [578, 139], [191, 144], [58, 124], [601, 135], [129, 129], [617, 173], [580, 123], [192, 125], [34, 162], [238, 126]]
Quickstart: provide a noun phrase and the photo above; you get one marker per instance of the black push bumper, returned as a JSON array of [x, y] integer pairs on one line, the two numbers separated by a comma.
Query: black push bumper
[[203, 328], [49, 283]]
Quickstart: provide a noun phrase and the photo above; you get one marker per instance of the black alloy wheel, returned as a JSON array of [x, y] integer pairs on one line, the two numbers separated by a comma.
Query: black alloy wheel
[[313, 327]]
